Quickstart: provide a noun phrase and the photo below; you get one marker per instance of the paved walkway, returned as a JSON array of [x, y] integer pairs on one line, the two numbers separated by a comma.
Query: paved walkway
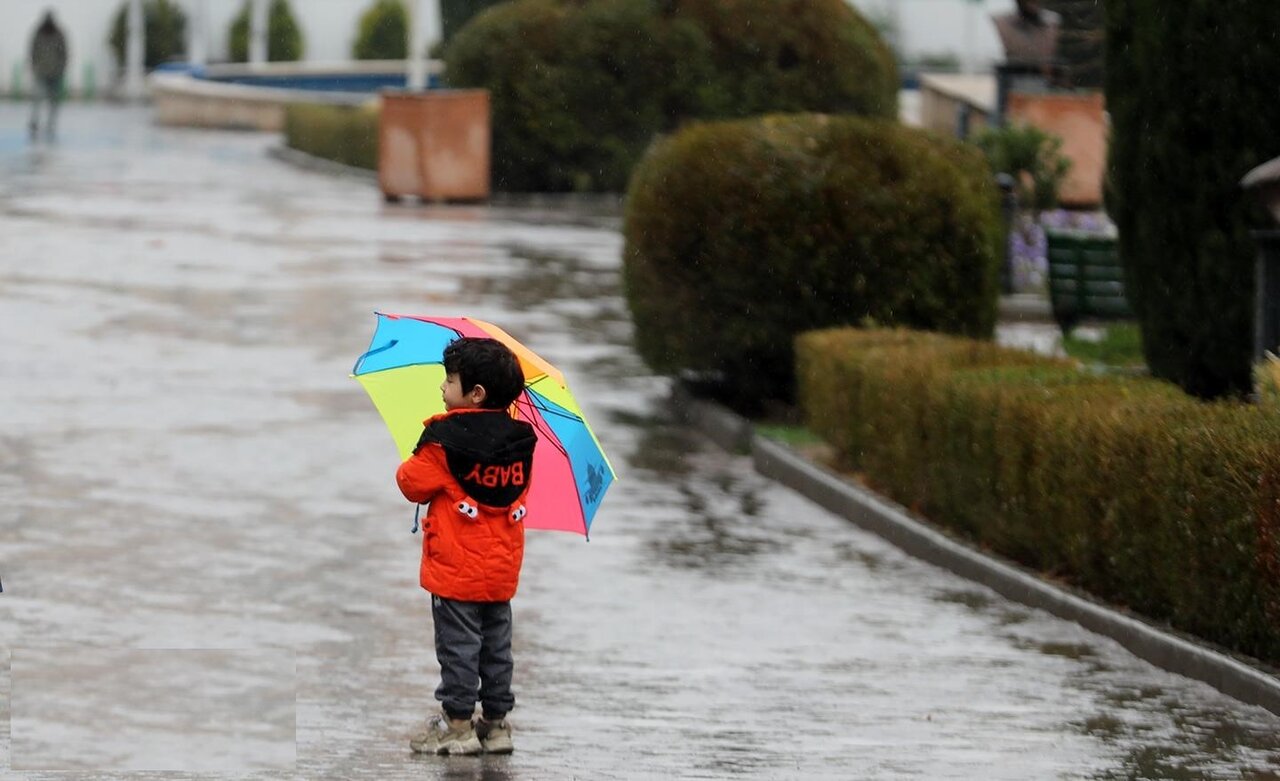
[[205, 557]]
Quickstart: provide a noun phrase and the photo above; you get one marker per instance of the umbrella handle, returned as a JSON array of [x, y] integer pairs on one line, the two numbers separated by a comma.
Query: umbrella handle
[[417, 508]]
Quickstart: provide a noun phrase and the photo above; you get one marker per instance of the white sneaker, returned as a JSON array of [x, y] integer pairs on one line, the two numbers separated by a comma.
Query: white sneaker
[[446, 736], [495, 736]]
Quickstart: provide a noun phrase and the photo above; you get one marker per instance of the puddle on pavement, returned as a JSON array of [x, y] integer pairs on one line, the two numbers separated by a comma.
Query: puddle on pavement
[[1156, 737], [717, 525], [1075, 651], [974, 600]]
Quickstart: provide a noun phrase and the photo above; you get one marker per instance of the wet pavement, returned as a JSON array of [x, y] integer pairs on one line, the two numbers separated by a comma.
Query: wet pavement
[[205, 558]]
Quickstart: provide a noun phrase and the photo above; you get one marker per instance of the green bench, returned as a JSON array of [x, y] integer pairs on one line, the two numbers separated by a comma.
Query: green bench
[[1086, 280]]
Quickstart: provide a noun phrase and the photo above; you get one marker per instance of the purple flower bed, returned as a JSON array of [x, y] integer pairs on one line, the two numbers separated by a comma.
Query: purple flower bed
[[1028, 246]]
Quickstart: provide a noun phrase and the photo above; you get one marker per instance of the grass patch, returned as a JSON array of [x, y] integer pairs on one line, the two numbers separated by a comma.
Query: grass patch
[[788, 434], [1120, 346]]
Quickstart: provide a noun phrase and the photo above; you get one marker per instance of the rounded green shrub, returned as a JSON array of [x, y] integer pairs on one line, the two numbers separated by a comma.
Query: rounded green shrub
[[794, 55], [580, 87], [577, 90], [164, 27], [284, 37], [383, 32], [740, 235]]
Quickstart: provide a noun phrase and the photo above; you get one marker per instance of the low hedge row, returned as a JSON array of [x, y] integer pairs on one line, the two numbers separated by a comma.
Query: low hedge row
[[343, 134], [1124, 487]]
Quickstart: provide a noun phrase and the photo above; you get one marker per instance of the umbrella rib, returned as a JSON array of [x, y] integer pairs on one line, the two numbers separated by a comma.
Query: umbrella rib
[[403, 366], [355, 369], [545, 429], [548, 411]]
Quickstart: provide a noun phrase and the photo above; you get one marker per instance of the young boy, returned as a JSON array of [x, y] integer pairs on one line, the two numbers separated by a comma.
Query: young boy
[[473, 464]]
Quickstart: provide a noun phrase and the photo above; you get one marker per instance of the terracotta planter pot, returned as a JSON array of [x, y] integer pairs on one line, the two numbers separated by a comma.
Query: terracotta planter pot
[[435, 145], [1077, 118]]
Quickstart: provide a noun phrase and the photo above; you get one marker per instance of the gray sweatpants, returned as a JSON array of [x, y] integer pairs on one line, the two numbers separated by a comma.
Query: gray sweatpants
[[473, 646]]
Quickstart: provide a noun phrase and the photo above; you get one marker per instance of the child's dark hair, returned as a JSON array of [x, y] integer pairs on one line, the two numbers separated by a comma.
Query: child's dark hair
[[487, 362]]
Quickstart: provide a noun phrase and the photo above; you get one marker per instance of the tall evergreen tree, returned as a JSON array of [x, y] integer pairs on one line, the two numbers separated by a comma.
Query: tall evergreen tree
[[1191, 90], [165, 32], [383, 32]]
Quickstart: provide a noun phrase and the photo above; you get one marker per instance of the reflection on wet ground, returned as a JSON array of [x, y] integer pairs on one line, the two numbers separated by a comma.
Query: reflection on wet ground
[[1164, 736], [187, 466], [122, 710]]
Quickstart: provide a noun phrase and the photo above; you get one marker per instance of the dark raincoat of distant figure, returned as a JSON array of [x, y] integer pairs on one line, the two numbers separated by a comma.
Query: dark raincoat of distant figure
[[48, 65]]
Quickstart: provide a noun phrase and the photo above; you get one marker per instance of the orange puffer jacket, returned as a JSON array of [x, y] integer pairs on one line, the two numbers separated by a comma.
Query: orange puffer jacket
[[474, 467]]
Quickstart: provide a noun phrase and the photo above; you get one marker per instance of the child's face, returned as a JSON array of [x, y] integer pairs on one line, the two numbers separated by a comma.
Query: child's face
[[454, 398]]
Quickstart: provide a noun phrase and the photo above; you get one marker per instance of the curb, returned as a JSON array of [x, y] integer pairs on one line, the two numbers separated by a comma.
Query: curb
[[599, 210], [895, 524], [1025, 308], [608, 204], [311, 162]]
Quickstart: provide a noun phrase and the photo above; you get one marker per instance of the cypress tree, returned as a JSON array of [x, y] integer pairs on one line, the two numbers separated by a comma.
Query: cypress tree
[[165, 32], [383, 32], [1191, 89], [284, 36]]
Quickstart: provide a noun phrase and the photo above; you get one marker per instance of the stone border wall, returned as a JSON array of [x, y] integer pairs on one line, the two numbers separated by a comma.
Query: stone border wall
[[181, 99]]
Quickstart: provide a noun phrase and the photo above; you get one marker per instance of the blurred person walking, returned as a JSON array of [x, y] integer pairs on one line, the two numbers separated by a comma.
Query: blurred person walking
[[48, 64]]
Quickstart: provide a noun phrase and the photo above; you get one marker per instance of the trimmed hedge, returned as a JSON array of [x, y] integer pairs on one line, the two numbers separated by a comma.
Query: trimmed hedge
[[775, 56], [1125, 487], [577, 91], [740, 235], [284, 37], [580, 87], [1191, 94], [340, 133], [383, 32]]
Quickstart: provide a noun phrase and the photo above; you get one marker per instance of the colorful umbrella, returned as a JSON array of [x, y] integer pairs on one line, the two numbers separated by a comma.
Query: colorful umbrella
[[402, 372]]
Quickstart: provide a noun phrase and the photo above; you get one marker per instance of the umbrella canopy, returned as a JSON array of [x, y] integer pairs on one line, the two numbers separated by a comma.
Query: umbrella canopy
[[402, 372]]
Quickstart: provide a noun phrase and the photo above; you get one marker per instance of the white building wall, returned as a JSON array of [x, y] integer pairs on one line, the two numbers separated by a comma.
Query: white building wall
[[930, 27], [328, 30], [962, 27]]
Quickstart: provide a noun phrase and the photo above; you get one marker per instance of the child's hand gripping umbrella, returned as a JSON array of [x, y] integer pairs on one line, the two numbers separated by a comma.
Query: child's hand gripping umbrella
[[402, 372]]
